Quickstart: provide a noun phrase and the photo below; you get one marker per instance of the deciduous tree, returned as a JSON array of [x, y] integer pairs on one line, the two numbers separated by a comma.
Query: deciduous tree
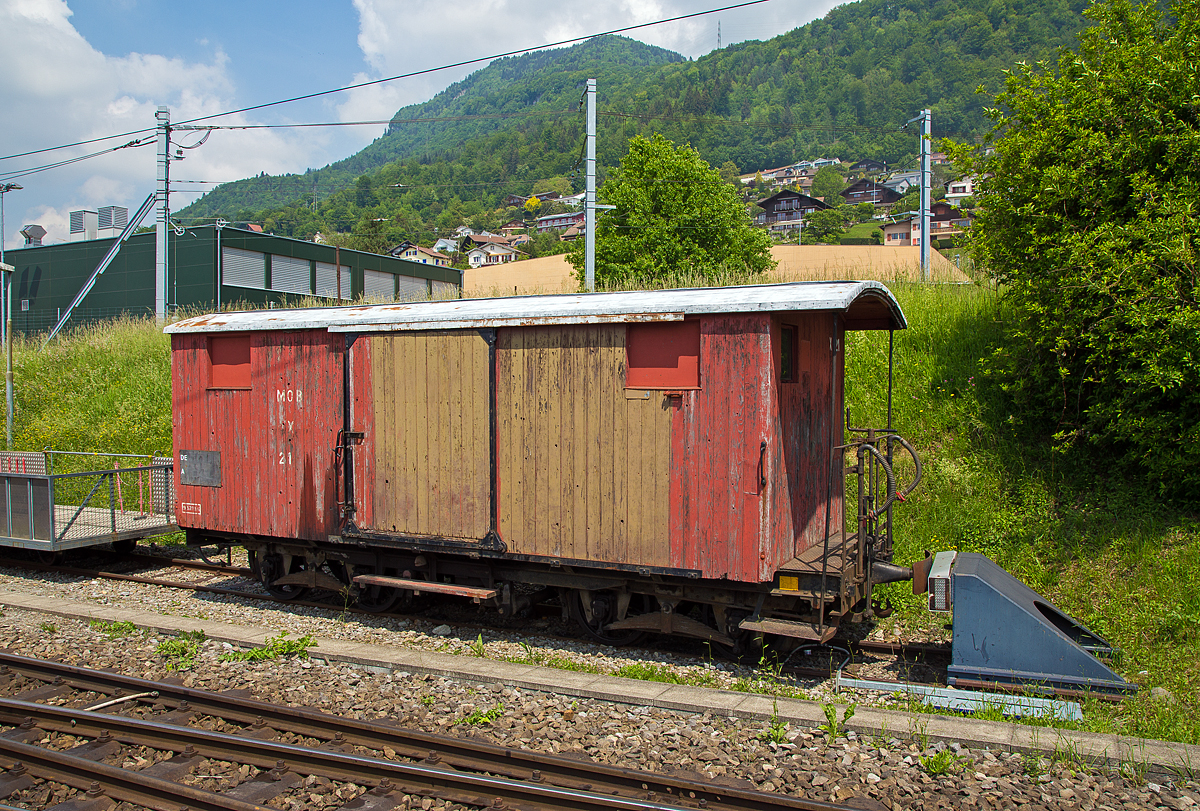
[[673, 213], [1088, 222]]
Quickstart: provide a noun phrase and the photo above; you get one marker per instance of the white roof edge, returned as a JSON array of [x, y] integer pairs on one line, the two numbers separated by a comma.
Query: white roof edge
[[572, 308]]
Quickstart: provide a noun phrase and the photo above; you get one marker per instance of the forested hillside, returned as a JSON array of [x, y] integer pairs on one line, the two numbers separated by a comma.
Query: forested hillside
[[840, 86]]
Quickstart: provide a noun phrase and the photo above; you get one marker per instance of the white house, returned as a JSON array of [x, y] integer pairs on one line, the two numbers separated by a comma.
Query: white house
[[958, 189], [493, 253]]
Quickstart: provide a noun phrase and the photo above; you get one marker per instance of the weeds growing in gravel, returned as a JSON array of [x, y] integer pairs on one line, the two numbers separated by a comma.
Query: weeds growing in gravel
[[531, 656], [277, 647], [832, 727], [776, 731], [113, 630], [49, 628], [645, 671], [944, 762], [181, 652], [480, 718], [477, 647]]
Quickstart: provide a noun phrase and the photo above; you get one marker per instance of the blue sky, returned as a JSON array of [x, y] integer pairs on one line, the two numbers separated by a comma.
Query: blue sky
[[77, 69]]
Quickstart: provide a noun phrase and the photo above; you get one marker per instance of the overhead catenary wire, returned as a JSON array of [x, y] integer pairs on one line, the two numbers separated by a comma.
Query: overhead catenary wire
[[409, 75]]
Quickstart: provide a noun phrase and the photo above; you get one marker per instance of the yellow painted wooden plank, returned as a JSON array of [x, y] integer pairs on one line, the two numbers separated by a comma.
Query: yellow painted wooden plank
[[574, 444], [451, 409], [382, 432], [512, 467], [420, 427], [594, 486], [552, 411], [403, 357], [480, 438]]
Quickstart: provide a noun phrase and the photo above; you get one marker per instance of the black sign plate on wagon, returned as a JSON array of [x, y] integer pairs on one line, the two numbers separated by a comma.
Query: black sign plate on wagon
[[201, 468]]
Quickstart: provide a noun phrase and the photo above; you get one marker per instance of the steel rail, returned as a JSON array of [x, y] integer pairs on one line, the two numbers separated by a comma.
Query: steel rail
[[464, 787], [448, 751], [98, 779]]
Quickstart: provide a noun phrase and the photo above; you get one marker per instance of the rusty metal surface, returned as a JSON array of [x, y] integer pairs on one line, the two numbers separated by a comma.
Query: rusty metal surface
[[879, 307], [584, 471], [276, 438]]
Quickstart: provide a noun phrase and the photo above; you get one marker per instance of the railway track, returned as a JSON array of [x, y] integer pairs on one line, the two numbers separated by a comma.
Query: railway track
[[901, 651], [207, 750]]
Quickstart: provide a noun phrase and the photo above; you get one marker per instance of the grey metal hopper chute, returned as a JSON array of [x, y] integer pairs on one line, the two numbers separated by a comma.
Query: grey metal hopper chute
[[1005, 633]]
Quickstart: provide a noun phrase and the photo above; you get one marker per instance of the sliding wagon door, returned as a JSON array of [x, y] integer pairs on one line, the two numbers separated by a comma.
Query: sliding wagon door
[[422, 400]]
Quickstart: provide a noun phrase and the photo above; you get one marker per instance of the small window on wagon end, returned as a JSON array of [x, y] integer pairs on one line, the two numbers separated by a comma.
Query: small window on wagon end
[[787, 354], [663, 355], [229, 358]]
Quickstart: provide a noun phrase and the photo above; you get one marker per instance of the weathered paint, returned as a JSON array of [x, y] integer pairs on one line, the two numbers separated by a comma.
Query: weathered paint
[[422, 399], [276, 438], [717, 510], [801, 438], [584, 469]]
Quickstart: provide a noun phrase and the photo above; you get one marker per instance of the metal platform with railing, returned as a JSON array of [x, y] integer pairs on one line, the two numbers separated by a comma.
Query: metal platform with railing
[[57, 500]]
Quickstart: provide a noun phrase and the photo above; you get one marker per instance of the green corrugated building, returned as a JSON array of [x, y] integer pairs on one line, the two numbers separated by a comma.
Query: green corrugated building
[[207, 268]]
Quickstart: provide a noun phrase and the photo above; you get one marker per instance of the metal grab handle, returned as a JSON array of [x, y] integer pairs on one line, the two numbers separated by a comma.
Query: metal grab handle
[[762, 468], [916, 461], [866, 447]]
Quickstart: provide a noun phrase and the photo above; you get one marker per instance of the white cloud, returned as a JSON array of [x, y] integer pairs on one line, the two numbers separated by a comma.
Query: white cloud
[[56, 88]]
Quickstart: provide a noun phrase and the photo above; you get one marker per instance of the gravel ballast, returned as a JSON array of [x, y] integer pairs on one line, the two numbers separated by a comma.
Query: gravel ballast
[[896, 772]]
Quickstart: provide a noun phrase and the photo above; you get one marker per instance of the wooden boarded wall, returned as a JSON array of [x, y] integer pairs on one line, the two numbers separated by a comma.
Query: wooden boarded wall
[[584, 471], [427, 463], [805, 409], [717, 509], [275, 436]]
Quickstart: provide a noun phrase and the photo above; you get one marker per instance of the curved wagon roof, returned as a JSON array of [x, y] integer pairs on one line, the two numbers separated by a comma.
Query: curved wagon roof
[[864, 304]]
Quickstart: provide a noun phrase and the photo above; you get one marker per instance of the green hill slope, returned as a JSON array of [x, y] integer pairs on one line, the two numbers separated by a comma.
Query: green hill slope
[[840, 86]]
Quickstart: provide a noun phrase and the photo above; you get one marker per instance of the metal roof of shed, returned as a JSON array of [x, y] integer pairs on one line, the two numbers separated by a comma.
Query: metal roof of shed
[[866, 305]]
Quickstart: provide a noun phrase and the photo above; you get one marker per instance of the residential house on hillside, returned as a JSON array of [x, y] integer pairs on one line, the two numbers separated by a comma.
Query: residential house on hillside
[[787, 208], [901, 182], [512, 226], [415, 253], [958, 189], [868, 191], [476, 240], [446, 245], [492, 253], [867, 165], [559, 222], [945, 222]]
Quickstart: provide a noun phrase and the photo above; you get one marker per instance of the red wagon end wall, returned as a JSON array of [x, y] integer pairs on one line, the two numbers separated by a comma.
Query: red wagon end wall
[[270, 404]]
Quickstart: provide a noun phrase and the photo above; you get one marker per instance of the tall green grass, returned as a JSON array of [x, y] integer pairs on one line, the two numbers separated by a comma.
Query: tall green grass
[[1100, 547], [101, 387]]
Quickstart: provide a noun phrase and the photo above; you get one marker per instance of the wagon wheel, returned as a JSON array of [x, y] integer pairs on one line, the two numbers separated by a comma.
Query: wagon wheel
[[47, 557], [604, 611], [270, 569]]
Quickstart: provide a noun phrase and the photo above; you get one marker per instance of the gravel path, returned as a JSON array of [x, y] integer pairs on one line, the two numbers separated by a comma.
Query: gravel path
[[895, 773]]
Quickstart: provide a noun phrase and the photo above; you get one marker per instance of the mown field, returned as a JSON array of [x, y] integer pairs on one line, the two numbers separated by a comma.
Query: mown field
[[1103, 549]]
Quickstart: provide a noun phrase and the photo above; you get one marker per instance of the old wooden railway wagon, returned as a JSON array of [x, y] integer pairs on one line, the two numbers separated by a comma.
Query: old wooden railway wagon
[[668, 461]]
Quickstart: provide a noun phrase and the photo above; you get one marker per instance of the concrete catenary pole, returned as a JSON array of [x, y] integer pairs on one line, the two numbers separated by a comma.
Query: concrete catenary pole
[[589, 195], [163, 117], [926, 182]]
